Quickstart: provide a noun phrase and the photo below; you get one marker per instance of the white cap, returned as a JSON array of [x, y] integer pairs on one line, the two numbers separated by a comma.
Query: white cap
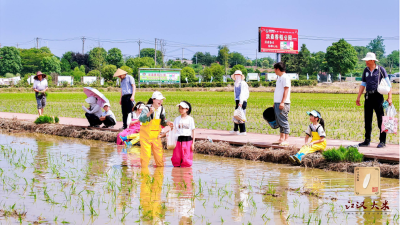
[[184, 105], [106, 104], [141, 106], [157, 95], [370, 56]]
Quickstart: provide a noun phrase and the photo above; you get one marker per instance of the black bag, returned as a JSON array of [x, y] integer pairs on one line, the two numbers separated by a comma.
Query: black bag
[[269, 116]]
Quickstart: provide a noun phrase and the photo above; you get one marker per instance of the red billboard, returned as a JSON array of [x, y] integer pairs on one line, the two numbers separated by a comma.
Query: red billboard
[[278, 40]]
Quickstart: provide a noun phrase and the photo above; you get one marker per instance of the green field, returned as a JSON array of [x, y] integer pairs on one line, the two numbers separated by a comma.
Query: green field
[[214, 110]]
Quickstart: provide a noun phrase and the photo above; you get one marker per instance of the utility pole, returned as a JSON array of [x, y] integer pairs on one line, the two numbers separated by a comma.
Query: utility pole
[[182, 56], [83, 45], [155, 52], [17, 45], [37, 43], [256, 58], [139, 47], [196, 57]]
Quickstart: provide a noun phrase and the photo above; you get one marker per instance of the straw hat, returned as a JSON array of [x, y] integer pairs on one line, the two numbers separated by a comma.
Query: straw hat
[[370, 56], [39, 73], [119, 72], [237, 72]]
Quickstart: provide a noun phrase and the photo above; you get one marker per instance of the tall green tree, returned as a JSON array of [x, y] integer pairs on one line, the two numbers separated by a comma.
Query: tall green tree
[[236, 58], [149, 52], [10, 60], [217, 72], [65, 66], [77, 74], [114, 57], [361, 51], [143, 62], [32, 58], [376, 46], [127, 69], [223, 56], [97, 58], [341, 56], [297, 63], [50, 64], [188, 72], [108, 72]]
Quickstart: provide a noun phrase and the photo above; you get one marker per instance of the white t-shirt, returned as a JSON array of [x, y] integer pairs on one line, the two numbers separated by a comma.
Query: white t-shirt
[[184, 126], [311, 128], [282, 82]]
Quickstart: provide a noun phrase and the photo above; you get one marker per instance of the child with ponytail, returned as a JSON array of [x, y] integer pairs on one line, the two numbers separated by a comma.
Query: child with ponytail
[[316, 130]]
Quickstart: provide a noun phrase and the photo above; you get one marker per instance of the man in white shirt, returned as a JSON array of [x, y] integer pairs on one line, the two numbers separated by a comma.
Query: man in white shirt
[[282, 103], [40, 87]]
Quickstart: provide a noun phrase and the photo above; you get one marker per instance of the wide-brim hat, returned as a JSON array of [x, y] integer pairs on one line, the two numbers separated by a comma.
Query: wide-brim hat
[[370, 56], [39, 73], [119, 72], [237, 72]]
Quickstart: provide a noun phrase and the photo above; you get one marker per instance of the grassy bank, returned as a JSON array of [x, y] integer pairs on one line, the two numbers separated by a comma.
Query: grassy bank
[[214, 110]]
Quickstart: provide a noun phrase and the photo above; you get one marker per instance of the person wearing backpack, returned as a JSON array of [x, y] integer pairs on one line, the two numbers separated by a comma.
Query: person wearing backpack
[[152, 118], [371, 78]]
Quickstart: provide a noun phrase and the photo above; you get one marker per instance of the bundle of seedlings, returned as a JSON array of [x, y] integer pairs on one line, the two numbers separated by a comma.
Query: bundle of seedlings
[[44, 119]]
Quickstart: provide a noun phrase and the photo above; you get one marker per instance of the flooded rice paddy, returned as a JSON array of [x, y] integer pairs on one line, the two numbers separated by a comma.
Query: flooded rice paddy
[[56, 180]]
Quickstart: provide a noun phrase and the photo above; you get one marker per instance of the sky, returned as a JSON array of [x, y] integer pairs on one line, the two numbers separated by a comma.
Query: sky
[[192, 25]]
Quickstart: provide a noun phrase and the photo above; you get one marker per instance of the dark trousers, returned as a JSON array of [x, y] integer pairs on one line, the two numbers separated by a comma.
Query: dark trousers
[[126, 107], [373, 103], [109, 121], [93, 119], [241, 126]]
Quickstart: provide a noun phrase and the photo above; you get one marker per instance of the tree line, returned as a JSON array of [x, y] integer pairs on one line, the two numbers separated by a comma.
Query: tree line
[[341, 57]]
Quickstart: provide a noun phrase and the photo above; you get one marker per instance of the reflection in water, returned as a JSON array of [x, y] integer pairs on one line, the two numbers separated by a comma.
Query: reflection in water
[[85, 182], [182, 193], [150, 194]]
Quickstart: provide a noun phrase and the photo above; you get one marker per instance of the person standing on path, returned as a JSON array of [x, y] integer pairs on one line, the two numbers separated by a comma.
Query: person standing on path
[[241, 93], [371, 78], [128, 90], [282, 103], [40, 87]]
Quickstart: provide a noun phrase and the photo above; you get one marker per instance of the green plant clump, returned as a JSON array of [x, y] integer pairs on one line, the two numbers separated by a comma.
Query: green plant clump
[[341, 154], [56, 119], [44, 119]]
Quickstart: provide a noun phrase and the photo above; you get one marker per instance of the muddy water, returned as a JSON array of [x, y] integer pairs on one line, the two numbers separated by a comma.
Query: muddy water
[[56, 180]]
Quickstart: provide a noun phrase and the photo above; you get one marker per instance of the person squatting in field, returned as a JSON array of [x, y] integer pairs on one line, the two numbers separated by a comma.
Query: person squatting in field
[[93, 113], [316, 130], [184, 127]]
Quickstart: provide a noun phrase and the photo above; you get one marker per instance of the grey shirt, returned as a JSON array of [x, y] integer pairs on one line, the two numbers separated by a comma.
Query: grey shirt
[[40, 85], [126, 85]]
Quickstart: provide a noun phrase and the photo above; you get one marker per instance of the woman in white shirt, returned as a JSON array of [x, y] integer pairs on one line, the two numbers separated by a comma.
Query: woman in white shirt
[[132, 122], [40, 87], [241, 93]]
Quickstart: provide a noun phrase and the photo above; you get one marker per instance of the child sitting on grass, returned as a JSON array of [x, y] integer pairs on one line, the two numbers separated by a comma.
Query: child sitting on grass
[[184, 128], [316, 130], [107, 117]]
